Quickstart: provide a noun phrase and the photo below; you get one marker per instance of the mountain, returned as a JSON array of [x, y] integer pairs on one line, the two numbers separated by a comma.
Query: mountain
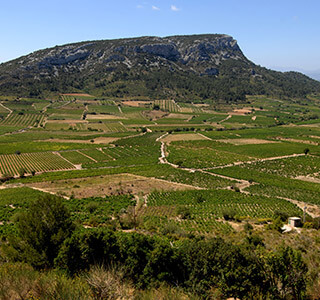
[[192, 67]]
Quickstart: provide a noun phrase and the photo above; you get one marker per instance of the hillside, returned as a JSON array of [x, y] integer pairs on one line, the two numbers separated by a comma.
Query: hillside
[[193, 67]]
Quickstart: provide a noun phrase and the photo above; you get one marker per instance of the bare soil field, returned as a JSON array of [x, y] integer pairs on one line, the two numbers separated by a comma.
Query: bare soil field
[[178, 116], [99, 140], [201, 104], [108, 185], [241, 112], [88, 101], [186, 110], [308, 178], [298, 141], [183, 137], [67, 121], [155, 114], [104, 117], [136, 103], [104, 140], [75, 94], [66, 141], [246, 141]]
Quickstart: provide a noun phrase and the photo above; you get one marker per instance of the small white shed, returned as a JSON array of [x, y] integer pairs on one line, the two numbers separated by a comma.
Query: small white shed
[[294, 221]]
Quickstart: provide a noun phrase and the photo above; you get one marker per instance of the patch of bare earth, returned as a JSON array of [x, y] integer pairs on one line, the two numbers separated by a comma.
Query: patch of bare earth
[[314, 136], [137, 103], [88, 101], [109, 185], [236, 226], [186, 110], [246, 141], [104, 117], [308, 178], [76, 94], [99, 140], [67, 121], [183, 137], [155, 114], [201, 104], [241, 111], [104, 140], [178, 116], [297, 141]]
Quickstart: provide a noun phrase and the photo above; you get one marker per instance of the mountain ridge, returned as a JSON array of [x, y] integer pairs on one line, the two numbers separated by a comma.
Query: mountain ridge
[[205, 66]]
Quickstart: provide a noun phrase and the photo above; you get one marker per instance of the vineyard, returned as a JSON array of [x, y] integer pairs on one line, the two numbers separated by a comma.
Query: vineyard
[[32, 162], [190, 108], [23, 120], [168, 105], [65, 138], [206, 209], [291, 167], [212, 203], [201, 154]]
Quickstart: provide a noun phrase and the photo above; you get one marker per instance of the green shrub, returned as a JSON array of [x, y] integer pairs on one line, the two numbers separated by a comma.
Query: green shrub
[[229, 214], [184, 212]]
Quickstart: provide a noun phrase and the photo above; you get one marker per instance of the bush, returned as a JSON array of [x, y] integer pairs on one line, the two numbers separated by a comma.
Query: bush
[[22, 172], [108, 284], [92, 206], [229, 214], [247, 227], [281, 214], [5, 177], [85, 248], [41, 232], [184, 212], [277, 224]]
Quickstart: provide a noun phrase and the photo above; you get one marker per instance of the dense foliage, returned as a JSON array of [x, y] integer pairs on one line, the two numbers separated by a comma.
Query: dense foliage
[[205, 267]]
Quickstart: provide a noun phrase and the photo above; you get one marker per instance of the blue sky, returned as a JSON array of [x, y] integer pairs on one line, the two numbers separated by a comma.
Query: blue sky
[[278, 34]]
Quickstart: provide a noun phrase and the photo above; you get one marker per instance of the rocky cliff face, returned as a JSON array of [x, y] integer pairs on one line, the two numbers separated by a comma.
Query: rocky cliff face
[[202, 54], [94, 65]]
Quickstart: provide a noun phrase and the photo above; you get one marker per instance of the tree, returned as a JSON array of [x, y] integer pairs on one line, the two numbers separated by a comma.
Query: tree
[[229, 214], [287, 273], [22, 172], [41, 232], [306, 151], [85, 248]]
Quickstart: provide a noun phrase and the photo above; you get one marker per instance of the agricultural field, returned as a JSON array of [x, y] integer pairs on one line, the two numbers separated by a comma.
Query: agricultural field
[[165, 158], [203, 210], [168, 105], [23, 120], [12, 164]]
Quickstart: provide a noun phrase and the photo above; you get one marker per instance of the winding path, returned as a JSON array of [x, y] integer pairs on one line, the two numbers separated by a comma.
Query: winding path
[[7, 108], [163, 160]]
